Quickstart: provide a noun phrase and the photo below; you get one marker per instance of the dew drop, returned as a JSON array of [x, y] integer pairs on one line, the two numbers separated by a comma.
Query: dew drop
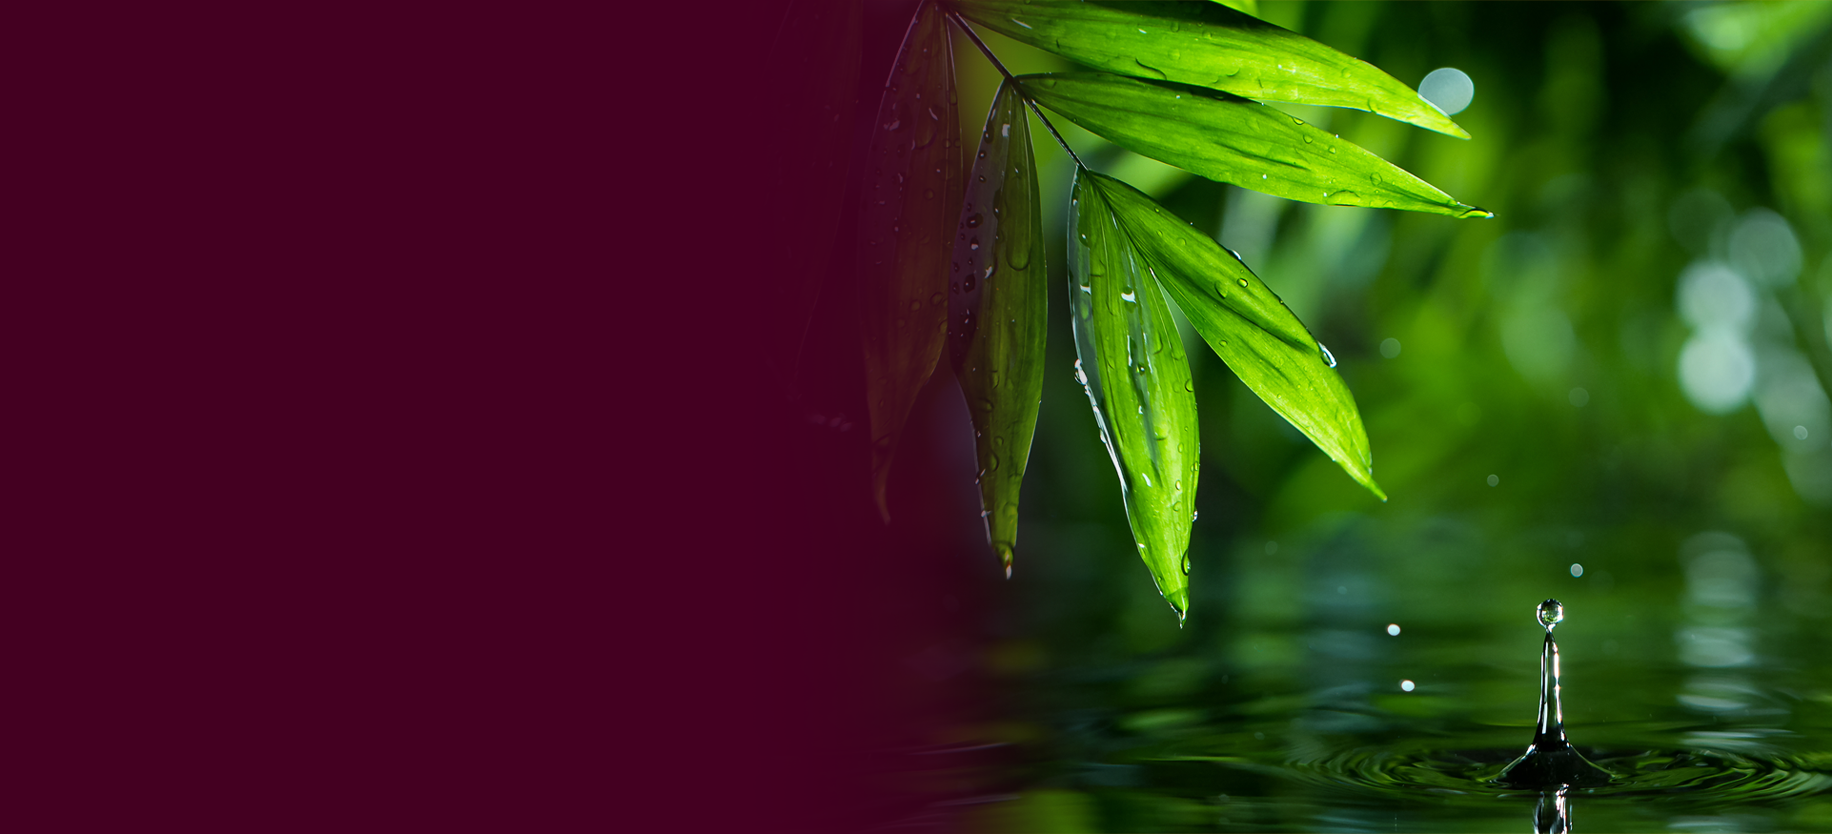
[[1186, 564], [974, 220]]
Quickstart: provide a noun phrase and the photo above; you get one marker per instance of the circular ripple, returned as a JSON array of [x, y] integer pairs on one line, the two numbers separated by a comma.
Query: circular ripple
[[1407, 770]]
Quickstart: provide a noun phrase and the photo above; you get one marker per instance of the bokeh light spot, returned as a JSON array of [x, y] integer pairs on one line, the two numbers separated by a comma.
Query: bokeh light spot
[[1713, 295], [1449, 89], [1716, 370], [1764, 248]]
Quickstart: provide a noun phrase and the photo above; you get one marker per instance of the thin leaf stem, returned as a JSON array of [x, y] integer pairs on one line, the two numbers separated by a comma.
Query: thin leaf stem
[[987, 51]]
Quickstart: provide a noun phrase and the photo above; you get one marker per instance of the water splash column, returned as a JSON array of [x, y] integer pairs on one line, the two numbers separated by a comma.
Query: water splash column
[[1551, 761]]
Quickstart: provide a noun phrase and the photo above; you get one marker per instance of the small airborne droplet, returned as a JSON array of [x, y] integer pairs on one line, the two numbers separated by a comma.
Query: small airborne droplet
[[1407, 685], [1393, 629]]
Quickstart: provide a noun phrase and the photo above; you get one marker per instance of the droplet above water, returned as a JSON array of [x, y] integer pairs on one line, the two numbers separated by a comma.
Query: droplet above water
[[1551, 613]]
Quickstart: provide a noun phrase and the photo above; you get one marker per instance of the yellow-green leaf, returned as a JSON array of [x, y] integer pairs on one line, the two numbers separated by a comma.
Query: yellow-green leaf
[[1233, 140], [1131, 363], [1210, 45], [1249, 328]]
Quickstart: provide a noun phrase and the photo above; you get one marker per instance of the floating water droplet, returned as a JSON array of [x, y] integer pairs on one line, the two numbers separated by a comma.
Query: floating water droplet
[[1393, 629], [1551, 613], [1407, 685]]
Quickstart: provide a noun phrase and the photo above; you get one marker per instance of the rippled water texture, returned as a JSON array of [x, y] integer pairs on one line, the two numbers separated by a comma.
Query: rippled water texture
[[1370, 714]]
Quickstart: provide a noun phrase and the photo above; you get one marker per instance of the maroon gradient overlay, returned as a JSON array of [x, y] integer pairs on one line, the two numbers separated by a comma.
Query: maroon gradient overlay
[[393, 453]]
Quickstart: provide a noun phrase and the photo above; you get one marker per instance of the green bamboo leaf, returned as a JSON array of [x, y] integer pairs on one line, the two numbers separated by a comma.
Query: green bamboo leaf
[[816, 51], [1132, 365], [1249, 328], [912, 193], [998, 310], [1233, 140], [1210, 45]]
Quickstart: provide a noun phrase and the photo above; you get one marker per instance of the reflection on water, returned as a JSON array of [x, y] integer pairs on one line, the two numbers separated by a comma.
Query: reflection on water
[[1553, 813]]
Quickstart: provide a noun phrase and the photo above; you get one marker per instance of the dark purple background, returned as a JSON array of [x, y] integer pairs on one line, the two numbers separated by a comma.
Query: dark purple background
[[393, 450]]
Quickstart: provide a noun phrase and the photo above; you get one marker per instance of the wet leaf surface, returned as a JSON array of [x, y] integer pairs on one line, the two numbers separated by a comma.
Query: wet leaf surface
[[1232, 140], [1247, 325], [1132, 365], [998, 311]]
